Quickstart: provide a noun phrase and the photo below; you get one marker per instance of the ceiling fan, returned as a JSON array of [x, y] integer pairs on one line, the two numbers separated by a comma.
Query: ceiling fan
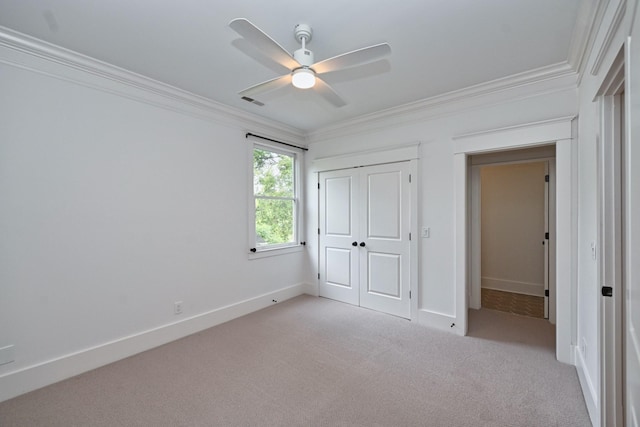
[[304, 72]]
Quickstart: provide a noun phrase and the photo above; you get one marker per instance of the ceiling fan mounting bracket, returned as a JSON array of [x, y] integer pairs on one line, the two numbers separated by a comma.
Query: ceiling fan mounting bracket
[[303, 31]]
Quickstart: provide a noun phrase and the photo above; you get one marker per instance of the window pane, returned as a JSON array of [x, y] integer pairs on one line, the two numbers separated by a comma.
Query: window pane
[[272, 174], [274, 222]]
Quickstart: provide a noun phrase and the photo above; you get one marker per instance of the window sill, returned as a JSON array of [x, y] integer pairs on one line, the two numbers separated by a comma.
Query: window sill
[[263, 253]]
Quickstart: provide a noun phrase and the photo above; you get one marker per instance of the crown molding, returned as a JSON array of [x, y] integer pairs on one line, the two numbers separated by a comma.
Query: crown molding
[[585, 30], [541, 80], [36, 55], [608, 38]]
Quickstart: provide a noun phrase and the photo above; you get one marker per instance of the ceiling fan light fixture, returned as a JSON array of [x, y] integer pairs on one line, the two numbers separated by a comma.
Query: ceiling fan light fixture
[[303, 78]]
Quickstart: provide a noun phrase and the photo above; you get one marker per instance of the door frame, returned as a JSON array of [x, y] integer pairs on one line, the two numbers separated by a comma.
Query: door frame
[[400, 153], [557, 131], [475, 253], [610, 239]]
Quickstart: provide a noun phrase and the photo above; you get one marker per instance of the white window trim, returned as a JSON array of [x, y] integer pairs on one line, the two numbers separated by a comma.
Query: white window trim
[[283, 249]]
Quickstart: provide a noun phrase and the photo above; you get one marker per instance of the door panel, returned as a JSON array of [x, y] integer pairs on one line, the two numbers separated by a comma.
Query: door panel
[[339, 277], [383, 276], [338, 269], [338, 199], [383, 199]]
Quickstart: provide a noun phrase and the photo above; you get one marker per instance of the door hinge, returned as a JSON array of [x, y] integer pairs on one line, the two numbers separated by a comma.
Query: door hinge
[[409, 236], [546, 292], [546, 235], [409, 294], [318, 231], [546, 178], [318, 186], [318, 276], [409, 178]]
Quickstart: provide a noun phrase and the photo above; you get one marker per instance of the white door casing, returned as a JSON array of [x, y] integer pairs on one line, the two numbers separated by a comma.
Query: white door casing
[[631, 215], [610, 215], [526, 135]]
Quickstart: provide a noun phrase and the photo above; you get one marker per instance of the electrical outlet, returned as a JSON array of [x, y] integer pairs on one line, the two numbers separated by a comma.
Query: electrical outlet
[[177, 307], [594, 253]]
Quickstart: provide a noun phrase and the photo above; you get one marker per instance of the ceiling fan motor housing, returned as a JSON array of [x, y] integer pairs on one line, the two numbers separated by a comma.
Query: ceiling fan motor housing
[[304, 57]]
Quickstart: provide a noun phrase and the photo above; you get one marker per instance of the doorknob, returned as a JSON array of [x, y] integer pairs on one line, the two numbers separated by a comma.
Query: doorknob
[[362, 244], [354, 244]]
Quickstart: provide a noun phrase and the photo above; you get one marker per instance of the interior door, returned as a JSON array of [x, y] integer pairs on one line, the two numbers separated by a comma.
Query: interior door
[[631, 212], [365, 220], [339, 233], [546, 242], [385, 224]]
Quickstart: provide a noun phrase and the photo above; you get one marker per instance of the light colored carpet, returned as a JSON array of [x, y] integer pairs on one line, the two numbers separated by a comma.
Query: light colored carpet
[[315, 362]]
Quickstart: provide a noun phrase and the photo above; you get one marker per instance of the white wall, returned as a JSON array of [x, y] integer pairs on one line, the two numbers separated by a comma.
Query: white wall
[[513, 227], [117, 201], [435, 128]]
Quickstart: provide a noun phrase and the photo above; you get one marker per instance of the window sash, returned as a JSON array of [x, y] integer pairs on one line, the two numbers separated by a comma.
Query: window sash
[[294, 199]]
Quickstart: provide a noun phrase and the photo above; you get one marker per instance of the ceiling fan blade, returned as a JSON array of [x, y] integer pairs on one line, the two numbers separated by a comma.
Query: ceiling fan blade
[[353, 58], [263, 42], [328, 93], [267, 86]]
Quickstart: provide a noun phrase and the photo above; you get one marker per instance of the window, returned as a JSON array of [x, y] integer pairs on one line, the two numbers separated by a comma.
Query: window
[[275, 198]]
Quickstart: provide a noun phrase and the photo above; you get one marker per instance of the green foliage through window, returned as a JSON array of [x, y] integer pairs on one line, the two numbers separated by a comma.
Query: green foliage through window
[[274, 194]]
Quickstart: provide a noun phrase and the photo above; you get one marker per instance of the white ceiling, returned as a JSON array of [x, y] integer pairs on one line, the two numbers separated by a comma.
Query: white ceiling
[[437, 46]]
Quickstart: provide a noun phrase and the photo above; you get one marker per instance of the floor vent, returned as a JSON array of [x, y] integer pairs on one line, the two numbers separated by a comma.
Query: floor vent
[[253, 101]]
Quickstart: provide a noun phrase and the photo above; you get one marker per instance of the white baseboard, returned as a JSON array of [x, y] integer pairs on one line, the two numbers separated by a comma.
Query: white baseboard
[[440, 321], [526, 288], [15, 383], [588, 390], [311, 289]]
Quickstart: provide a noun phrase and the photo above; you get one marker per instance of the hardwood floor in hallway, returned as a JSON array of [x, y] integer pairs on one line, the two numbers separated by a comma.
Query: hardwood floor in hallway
[[525, 305]]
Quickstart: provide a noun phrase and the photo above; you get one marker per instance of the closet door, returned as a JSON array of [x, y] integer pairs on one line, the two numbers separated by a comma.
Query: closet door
[[365, 222], [339, 250], [385, 224]]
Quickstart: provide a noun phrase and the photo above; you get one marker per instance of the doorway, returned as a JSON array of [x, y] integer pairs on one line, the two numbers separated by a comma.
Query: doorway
[[365, 237], [512, 244]]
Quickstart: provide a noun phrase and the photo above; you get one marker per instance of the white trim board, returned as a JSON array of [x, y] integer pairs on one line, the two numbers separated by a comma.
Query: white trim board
[[514, 286], [586, 383], [436, 320], [395, 154], [36, 376]]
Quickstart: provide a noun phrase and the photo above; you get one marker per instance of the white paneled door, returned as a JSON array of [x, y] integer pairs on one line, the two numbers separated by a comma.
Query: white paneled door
[[365, 221]]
